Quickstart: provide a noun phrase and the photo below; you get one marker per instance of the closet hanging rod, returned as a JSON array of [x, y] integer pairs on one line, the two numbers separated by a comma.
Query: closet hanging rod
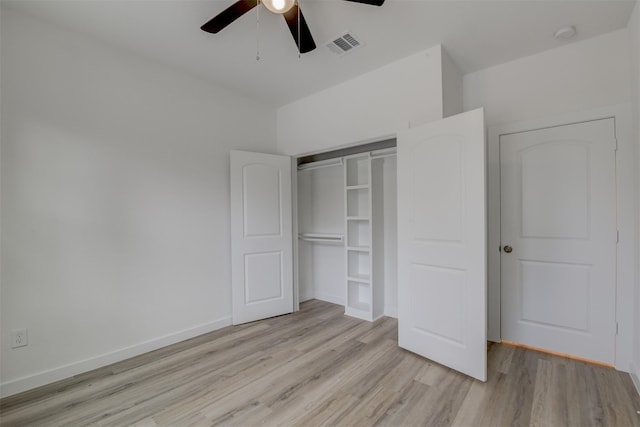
[[321, 164], [321, 237], [348, 151]]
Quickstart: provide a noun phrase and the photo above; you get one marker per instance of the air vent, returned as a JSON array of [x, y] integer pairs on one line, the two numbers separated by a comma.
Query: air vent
[[344, 43]]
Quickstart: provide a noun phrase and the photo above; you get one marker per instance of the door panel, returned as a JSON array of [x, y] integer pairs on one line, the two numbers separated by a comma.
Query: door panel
[[558, 215], [439, 219], [562, 184], [438, 319], [442, 242], [266, 269], [568, 285], [261, 236], [262, 200]]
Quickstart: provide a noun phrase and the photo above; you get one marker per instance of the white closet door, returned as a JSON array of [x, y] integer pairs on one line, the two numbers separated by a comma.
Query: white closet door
[[261, 236], [442, 242]]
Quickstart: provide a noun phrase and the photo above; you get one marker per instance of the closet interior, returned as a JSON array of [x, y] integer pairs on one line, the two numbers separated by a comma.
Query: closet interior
[[346, 210]]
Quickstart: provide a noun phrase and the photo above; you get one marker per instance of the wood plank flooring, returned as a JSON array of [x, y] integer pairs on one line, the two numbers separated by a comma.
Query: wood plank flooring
[[319, 367]]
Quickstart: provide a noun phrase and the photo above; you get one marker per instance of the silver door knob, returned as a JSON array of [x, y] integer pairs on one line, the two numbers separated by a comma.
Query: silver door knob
[[508, 249]]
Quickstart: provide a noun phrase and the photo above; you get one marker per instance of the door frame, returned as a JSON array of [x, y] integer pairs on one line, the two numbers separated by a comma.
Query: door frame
[[294, 202], [625, 215]]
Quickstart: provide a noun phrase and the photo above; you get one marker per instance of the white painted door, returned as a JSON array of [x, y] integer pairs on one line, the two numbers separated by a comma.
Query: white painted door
[[442, 291], [558, 219], [261, 236]]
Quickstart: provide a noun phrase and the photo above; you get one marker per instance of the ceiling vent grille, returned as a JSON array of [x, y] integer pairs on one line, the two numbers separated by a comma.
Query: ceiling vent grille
[[344, 43]]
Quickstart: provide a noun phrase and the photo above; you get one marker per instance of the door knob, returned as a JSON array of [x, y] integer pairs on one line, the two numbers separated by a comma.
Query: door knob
[[508, 249]]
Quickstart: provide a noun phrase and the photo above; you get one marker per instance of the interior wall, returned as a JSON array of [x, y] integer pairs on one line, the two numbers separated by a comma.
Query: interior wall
[[587, 74], [115, 201], [321, 210], [634, 45], [370, 107], [576, 77], [305, 249], [373, 106], [390, 181], [452, 87]]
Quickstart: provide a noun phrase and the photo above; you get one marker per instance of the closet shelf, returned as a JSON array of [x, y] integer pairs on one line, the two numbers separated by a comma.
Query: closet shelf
[[362, 278], [359, 248], [322, 237], [357, 218], [357, 187], [359, 312], [361, 306]]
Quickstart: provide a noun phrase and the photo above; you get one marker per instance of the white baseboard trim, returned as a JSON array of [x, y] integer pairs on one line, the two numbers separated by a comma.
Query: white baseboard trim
[[391, 312], [52, 375], [634, 371], [305, 297], [329, 298]]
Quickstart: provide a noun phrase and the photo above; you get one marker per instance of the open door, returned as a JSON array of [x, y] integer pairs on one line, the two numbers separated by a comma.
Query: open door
[[261, 236], [442, 303]]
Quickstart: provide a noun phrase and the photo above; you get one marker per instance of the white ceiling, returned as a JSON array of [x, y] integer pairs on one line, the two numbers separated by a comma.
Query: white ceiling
[[477, 34]]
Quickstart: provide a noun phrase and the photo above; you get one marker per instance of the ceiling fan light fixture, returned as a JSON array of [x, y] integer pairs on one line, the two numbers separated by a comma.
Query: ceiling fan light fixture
[[279, 6]]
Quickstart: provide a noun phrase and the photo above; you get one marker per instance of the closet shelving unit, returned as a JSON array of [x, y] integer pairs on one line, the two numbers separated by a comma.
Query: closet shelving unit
[[341, 250], [363, 206]]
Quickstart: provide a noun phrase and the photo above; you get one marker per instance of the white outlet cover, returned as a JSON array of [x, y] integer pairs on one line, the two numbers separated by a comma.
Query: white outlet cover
[[19, 338]]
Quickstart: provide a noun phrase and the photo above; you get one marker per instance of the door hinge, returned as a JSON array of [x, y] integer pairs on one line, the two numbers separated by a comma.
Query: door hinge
[[615, 144], [617, 236], [617, 328]]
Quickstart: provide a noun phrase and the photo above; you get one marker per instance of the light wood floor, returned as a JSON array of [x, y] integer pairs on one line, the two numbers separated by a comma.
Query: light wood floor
[[319, 367]]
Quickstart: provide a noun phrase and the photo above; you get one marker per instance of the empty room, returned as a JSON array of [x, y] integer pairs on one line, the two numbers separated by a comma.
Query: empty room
[[319, 212]]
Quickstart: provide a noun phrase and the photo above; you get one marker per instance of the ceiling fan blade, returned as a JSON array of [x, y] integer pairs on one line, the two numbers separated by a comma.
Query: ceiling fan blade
[[229, 15], [371, 2], [306, 39]]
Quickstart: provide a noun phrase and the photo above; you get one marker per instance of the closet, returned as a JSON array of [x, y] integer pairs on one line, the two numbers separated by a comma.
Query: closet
[[347, 231], [380, 233]]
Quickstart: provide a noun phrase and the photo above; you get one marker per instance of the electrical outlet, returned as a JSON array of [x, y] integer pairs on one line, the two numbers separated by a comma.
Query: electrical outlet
[[19, 338]]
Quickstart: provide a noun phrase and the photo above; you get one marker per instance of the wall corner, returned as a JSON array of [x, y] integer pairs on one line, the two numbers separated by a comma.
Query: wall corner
[[452, 88]]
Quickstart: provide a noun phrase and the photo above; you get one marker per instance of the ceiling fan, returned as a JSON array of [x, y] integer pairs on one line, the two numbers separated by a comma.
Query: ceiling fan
[[287, 8]]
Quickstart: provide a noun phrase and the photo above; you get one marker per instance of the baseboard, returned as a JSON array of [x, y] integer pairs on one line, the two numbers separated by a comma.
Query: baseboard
[[634, 371], [305, 297], [391, 312], [329, 298], [47, 377]]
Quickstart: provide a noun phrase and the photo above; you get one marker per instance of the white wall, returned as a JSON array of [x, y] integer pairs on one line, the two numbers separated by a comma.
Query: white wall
[[305, 249], [321, 210], [390, 195], [578, 76], [370, 107], [634, 37], [115, 201], [452, 87], [555, 84]]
